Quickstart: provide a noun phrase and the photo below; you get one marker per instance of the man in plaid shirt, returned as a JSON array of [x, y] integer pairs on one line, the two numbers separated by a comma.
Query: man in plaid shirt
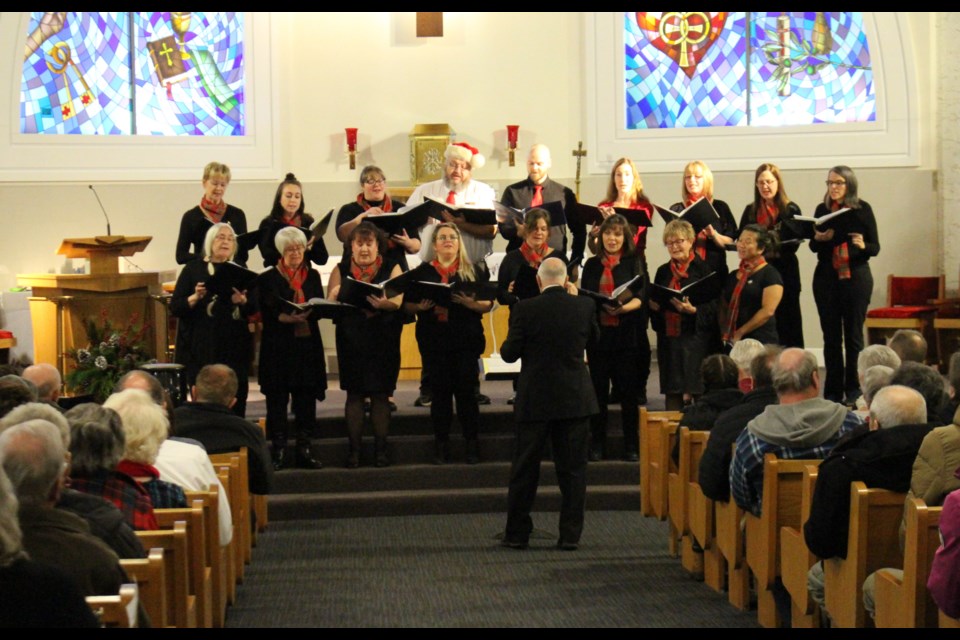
[[802, 426]]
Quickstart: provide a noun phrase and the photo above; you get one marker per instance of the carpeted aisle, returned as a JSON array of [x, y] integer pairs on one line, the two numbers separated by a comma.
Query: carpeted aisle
[[448, 571]]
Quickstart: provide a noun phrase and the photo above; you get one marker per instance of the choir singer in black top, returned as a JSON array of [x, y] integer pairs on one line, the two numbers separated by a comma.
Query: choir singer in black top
[[211, 210], [288, 211]]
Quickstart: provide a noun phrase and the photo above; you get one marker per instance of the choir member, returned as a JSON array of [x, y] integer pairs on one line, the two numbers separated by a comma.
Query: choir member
[[211, 210]]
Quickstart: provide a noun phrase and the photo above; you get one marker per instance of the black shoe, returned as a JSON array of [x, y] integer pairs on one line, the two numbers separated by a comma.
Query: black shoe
[[353, 460], [642, 397], [514, 544], [567, 546], [442, 455], [393, 406], [473, 452], [596, 454], [279, 458], [423, 401], [305, 459], [381, 459], [482, 399], [631, 456], [512, 399]]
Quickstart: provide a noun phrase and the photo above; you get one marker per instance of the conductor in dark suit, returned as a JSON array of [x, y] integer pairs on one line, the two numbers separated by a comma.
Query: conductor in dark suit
[[555, 399]]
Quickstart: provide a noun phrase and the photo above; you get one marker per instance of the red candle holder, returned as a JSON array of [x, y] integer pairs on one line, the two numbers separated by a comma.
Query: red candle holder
[[512, 133], [352, 145]]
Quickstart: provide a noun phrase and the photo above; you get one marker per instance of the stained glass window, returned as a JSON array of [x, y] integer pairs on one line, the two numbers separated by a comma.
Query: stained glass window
[[153, 74]]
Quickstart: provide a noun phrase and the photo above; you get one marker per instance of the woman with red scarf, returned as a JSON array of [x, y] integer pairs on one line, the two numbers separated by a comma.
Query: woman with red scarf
[[211, 210], [710, 243], [773, 210], [513, 277], [451, 341], [686, 328], [842, 281], [752, 292], [368, 340], [375, 201], [288, 211], [292, 363], [614, 356]]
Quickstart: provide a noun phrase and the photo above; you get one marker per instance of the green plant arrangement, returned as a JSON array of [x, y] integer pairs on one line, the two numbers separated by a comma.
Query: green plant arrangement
[[111, 352]]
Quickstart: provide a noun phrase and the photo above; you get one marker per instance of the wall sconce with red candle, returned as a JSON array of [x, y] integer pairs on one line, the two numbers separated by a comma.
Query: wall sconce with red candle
[[352, 145], [512, 131]]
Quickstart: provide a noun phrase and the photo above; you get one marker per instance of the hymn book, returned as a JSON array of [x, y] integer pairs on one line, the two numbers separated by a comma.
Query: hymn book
[[591, 215], [355, 292], [441, 293], [509, 216], [228, 276], [622, 294], [697, 291], [700, 215]]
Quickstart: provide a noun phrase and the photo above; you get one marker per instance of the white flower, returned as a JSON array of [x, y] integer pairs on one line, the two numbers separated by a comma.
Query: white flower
[[114, 339], [100, 362]]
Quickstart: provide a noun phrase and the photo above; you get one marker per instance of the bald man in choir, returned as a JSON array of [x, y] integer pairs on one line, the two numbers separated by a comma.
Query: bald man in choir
[[549, 334], [539, 189]]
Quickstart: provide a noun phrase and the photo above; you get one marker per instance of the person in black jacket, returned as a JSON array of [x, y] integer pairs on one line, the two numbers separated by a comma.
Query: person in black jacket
[[720, 392], [211, 210], [288, 211], [451, 341], [714, 473], [615, 355]]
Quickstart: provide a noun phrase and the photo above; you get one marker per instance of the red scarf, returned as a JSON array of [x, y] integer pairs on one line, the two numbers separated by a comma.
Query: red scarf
[[137, 469], [365, 274], [295, 279], [214, 212], [609, 262], [441, 313], [747, 268], [533, 256], [767, 215], [640, 235], [700, 242], [386, 205], [841, 253], [293, 222], [671, 317]]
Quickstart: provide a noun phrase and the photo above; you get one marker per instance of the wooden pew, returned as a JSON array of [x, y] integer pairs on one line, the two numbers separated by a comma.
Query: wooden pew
[[649, 437], [151, 585], [907, 603], [238, 496], [873, 542], [780, 508], [730, 542], [116, 612], [230, 554], [946, 622], [661, 441], [678, 490], [796, 559], [181, 605], [259, 501], [702, 521], [217, 556], [201, 578]]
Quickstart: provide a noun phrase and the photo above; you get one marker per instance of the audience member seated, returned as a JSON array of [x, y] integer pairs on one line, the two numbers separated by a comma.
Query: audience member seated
[[33, 595], [875, 378], [873, 355], [881, 458], [146, 381], [928, 382], [944, 580], [210, 420], [105, 520], [47, 379], [33, 458], [802, 426], [910, 345], [715, 462], [15, 391], [97, 443], [720, 392], [743, 353]]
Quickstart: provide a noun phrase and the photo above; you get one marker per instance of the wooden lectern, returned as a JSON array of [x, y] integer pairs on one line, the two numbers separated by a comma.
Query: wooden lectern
[[61, 303]]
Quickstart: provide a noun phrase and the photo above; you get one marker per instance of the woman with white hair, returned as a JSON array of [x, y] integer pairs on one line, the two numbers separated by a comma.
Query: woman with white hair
[[145, 427], [292, 362], [213, 324]]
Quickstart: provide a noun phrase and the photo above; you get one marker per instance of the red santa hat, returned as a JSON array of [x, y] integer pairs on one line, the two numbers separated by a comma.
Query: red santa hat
[[463, 151]]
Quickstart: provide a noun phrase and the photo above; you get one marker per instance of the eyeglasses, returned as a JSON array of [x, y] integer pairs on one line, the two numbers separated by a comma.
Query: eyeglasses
[[374, 183], [766, 183], [675, 243], [445, 238], [836, 183]]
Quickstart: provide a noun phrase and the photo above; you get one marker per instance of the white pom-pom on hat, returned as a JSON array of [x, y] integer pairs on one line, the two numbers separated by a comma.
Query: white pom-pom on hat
[[465, 152]]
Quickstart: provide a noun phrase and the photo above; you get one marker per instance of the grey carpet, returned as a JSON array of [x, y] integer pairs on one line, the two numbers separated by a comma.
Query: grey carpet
[[448, 571]]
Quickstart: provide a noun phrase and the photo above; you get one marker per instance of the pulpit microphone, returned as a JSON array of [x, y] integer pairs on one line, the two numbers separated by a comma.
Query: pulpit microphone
[[101, 208]]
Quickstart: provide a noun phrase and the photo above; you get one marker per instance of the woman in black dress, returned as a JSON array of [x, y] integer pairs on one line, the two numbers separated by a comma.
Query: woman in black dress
[[211, 210], [614, 357], [842, 281], [686, 328], [451, 341], [287, 211], [773, 210], [375, 201], [368, 340], [292, 363], [752, 292], [711, 242], [213, 328]]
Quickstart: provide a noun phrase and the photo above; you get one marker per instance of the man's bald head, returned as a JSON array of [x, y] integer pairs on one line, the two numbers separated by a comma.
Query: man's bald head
[[47, 378]]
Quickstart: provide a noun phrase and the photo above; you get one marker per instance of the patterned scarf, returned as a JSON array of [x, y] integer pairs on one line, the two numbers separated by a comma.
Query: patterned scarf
[[440, 313], [137, 469], [365, 274], [293, 222], [700, 242], [295, 279], [533, 256], [213, 212], [386, 206], [609, 262], [747, 268], [841, 253], [767, 215], [672, 318]]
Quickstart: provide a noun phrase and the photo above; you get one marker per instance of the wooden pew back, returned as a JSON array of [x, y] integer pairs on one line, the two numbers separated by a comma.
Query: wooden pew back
[[679, 485], [116, 612], [796, 559], [151, 585], [650, 425], [216, 555], [238, 495], [181, 605]]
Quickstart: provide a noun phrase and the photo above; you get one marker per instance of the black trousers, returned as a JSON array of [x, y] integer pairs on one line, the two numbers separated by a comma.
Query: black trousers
[[569, 440], [620, 367], [452, 374], [842, 305], [304, 410]]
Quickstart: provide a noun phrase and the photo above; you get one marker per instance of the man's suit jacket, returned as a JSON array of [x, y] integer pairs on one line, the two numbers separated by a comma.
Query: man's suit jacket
[[549, 334]]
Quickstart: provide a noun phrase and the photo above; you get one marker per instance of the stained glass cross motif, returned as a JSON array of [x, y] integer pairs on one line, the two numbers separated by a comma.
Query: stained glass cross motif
[[677, 29]]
